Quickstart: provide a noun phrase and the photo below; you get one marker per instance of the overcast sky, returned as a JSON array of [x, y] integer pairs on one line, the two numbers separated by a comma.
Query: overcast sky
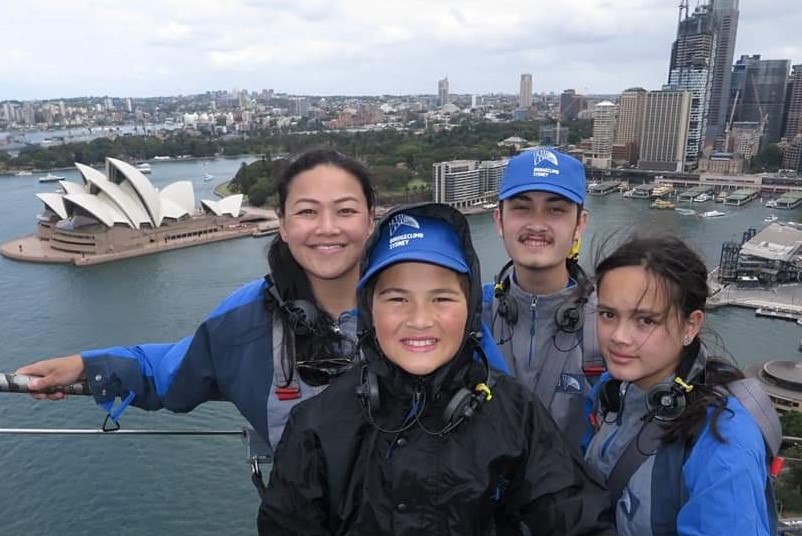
[[71, 48]]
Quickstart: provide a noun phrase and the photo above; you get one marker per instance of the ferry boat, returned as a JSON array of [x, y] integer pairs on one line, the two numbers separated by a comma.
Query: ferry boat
[[144, 168], [51, 178], [207, 177], [771, 203], [771, 218], [663, 204], [721, 197], [702, 198], [685, 211], [663, 189], [23, 173], [712, 214], [777, 312], [489, 206]]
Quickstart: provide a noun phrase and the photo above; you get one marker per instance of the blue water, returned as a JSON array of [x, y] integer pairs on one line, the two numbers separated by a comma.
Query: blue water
[[130, 485]]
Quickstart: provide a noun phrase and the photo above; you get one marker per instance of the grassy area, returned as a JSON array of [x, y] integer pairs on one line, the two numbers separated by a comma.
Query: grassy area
[[221, 190]]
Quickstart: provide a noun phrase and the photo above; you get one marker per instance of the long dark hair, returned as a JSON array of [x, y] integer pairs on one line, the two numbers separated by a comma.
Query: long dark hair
[[682, 275], [288, 276]]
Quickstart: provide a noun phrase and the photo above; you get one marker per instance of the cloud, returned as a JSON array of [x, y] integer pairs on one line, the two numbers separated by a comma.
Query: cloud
[[173, 33]]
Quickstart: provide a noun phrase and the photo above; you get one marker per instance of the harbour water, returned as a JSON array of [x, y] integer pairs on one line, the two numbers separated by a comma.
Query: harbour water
[[133, 485]]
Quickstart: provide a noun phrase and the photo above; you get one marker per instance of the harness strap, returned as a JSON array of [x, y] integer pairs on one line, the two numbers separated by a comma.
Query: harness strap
[[643, 445]]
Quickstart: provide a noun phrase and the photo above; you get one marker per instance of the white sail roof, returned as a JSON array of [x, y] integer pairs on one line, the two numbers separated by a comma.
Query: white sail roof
[[101, 208], [70, 187], [230, 205], [146, 191], [181, 193], [55, 202], [127, 204]]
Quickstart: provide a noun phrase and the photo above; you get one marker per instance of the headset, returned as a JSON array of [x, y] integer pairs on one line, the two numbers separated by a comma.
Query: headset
[[462, 406], [569, 317], [302, 316], [665, 402]]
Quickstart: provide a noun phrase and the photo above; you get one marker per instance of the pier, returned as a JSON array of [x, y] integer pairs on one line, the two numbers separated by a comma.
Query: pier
[[603, 188], [741, 197], [689, 194], [789, 200]]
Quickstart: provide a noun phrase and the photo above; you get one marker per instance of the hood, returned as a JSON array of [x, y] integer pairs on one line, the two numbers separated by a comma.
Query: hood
[[374, 256]]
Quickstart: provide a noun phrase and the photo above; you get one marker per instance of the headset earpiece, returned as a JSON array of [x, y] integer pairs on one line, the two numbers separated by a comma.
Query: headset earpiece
[[666, 402], [507, 308], [302, 316], [368, 391], [610, 396], [570, 316], [456, 406]]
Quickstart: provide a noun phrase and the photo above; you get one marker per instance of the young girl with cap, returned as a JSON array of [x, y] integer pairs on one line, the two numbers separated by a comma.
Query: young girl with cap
[[682, 438], [426, 437], [274, 341]]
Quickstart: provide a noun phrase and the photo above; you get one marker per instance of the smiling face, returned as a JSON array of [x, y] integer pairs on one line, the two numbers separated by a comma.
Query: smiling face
[[420, 312], [640, 334], [326, 222], [538, 229]]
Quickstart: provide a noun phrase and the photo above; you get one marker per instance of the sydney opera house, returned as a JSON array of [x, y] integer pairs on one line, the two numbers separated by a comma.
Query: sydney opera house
[[122, 214]]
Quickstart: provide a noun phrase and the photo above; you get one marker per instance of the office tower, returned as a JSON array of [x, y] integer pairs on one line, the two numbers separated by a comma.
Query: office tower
[[691, 70], [442, 92], [664, 135], [793, 122], [605, 115], [554, 135], [571, 104], [761, 85], [300, 106], [631, 109], [725, 23], [473, 101], [525, 92]]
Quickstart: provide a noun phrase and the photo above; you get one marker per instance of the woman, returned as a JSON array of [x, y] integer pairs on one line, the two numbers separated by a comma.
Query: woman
[[681, 454], [271, 343], [424, 438]]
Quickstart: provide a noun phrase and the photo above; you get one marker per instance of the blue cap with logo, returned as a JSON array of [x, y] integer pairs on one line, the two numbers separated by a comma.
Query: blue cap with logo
[[406, 238], [544, 170]]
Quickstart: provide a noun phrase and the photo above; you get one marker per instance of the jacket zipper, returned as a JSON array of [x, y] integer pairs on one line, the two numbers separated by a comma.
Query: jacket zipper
[[533, 316]]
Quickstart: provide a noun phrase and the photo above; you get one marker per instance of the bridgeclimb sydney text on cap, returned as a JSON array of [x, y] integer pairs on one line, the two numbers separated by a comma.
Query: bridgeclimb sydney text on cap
[[407, 238], [544, 170]]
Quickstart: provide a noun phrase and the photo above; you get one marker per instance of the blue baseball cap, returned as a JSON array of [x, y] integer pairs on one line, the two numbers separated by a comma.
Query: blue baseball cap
[[406, 238], [544, 170]]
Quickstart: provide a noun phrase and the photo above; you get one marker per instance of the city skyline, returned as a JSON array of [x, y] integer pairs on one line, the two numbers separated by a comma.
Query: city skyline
[[322, 47]]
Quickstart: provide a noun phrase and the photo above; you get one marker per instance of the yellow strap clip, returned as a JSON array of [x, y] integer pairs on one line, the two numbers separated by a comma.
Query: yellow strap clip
[[483, 388], [687, 387]]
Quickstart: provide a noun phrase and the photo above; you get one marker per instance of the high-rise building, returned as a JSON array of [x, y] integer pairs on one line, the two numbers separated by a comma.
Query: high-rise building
[[701, 59], [571, 104], [605, 115], [300, 106], [525, 92], [691, 69], [464, 183], [442, 92], [631, 109], [793, 122], [664, 135], [725, 22], [761, 86]]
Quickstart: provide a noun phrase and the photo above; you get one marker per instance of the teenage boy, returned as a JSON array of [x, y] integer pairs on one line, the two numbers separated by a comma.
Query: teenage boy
[[541, 306]]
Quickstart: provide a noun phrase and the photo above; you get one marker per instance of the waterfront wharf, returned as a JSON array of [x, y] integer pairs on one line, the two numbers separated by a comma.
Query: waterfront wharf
[[741, 197], [782, 301], [603, 188], [694, 191], [643, 191], [789, 200]]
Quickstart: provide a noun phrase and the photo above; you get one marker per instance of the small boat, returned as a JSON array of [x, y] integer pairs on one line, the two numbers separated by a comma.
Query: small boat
[[685, 211], [712, 214], [51, 178], [23, 173], [777, 312], [144, 168], [489, 206], [771, 203], [771, 218], [628, 193], [207, 177], [721, 197], [702, 198], [663, 204]]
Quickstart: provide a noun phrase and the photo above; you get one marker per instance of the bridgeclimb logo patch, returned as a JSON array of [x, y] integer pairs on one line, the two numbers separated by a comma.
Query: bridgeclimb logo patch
[[402, 220], [544, 155]]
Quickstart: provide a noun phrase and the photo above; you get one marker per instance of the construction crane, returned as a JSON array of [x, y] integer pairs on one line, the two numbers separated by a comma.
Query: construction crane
[[728, 126]]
